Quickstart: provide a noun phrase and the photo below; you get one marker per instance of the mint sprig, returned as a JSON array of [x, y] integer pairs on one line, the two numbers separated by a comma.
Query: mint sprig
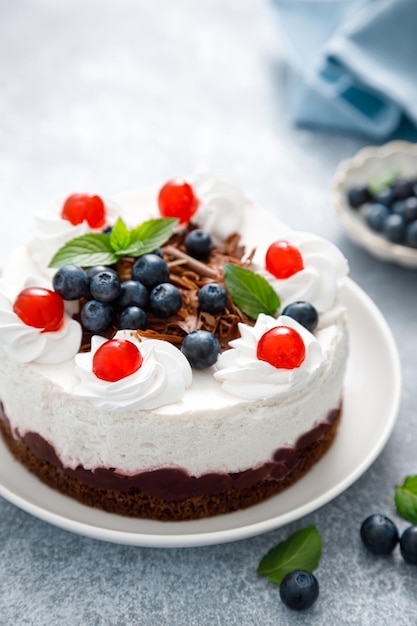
[[102, 249], [405, 499], [250, 292], [302, 550], [382, 179]]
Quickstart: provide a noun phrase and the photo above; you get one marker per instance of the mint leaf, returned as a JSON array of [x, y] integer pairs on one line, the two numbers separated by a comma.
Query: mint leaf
[[302, 550], [250, 292], [151, 234], [406, 499], [101, 249], [383, 179], [120, 236], [86, 251]]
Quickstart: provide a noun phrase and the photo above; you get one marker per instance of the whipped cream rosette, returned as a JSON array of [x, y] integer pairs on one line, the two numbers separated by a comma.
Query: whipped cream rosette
[[221, 205], [243, 374], [161, 379], [26, 344], [52, 231], [318, 282]]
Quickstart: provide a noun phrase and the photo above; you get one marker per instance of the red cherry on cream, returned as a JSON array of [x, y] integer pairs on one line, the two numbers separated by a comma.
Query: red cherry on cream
[[283, 259], [282, 347], [40, 308], [80, 207], [177, 199], [115, 359]]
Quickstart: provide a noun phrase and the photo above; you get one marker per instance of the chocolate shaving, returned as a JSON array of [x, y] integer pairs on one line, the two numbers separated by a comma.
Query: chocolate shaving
[[189, 275]]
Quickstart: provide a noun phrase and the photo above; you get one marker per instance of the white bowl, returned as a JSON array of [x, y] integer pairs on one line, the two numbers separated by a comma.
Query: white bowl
[[365, 166]]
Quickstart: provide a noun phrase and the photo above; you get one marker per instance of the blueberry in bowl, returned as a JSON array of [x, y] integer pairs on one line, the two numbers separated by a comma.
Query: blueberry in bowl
[[374, 195]]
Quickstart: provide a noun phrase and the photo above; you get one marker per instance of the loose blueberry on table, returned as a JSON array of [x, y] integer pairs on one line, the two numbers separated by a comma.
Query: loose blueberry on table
[[379, 534], [408, 545], [299, 590]]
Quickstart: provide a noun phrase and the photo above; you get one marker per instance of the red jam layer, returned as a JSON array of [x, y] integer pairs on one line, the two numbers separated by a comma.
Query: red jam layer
[[177, 484]]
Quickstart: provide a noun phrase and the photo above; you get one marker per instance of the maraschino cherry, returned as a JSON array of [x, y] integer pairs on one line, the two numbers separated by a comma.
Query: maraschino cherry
[[40, 308], [177, 199], [80, 207], [115, 359], [282, 347], [282, 259]]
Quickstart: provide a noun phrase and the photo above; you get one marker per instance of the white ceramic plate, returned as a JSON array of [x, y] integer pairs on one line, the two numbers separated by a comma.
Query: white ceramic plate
[[400, 156], [373, 388]]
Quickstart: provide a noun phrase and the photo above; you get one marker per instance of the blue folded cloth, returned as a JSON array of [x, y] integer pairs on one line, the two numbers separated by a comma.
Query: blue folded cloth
[[354, 63]]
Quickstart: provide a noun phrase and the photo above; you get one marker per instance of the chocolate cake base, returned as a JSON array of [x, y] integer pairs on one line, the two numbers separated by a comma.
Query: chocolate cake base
[[133, 502]]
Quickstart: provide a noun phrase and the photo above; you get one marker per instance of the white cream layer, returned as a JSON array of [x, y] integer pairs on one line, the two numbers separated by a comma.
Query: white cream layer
[[209, 430]]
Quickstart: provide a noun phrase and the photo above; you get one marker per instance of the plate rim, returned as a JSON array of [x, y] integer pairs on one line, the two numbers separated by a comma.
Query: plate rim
[[196, 539]]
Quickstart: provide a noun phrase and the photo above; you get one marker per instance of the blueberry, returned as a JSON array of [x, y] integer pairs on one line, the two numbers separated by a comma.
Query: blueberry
[[212, 298], [376, 216], [132, 317], [71, 282], [133, 293], [299, 589], [165, 300], [386, 196], [403, 188], [198, 244], [407, 208], [358, 195], [105, 286], [411, 235], [379, 534], [150, 270], [96, 316], [394, 228], [304, 313], [408, 545], [201, 348], [96, 269]]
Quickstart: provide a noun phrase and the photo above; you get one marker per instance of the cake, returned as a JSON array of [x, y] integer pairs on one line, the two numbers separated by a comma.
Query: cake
[[211, 400]]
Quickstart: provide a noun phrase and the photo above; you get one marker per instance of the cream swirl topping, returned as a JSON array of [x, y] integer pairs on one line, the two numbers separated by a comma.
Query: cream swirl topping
[[162, 378], [26, 344], [220, 212], [320, 280], [52, 232], [242, 374]]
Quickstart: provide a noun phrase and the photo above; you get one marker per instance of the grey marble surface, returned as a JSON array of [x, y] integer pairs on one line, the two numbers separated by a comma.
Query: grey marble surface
[[113, 95]]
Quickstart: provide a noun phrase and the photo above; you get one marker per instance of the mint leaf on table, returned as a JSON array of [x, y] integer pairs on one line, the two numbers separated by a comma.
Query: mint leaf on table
[[302, 550], [250, 292], [101, 249], [406, 499]]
